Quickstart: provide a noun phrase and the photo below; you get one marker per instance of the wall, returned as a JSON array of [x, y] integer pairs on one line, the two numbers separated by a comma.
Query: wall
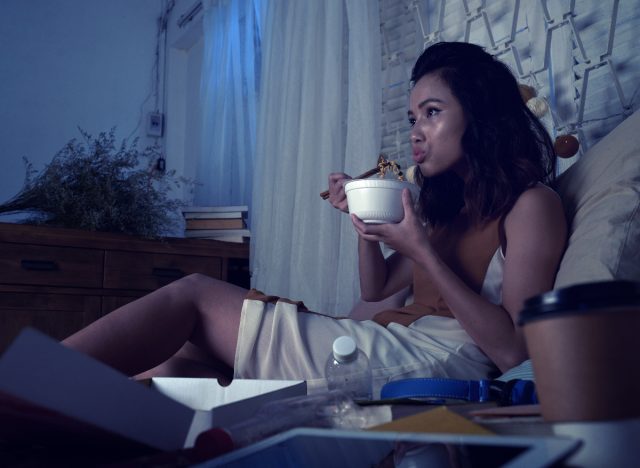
[[90, 63], [184, 51], [509, 29], [72, 63]]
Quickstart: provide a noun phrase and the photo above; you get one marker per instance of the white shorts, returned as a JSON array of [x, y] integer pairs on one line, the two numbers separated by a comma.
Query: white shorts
[[279, 341]]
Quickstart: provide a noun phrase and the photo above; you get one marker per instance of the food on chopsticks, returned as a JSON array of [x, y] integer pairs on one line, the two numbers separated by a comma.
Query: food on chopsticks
[[383, 168], [389, 167]]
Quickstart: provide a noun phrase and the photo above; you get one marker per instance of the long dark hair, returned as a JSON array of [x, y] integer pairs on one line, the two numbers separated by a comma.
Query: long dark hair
[[505, 146]]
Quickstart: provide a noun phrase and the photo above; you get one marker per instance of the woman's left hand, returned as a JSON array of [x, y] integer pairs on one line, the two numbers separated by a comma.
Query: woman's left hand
[[405, 237]]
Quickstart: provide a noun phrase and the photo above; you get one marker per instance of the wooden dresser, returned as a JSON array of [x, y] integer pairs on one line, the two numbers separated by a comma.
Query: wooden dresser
[[60, 280]]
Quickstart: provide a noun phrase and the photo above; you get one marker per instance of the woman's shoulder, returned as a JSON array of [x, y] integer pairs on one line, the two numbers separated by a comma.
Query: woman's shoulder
[[538, 196], [538, 203]]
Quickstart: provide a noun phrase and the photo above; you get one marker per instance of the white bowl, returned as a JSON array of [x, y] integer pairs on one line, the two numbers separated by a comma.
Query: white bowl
[[378, 201]]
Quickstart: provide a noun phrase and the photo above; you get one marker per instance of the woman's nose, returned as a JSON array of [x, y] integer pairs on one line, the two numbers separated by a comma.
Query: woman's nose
[[415, 136]]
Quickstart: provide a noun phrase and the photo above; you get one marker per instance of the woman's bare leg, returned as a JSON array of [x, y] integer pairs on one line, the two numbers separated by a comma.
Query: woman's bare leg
[[190, 361], [147, 332]]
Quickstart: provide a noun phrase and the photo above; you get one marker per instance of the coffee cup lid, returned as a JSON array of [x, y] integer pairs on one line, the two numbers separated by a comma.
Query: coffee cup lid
[[580, 298]]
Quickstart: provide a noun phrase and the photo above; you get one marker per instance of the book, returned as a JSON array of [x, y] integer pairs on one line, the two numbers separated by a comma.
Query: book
[[215, 209], [216, 233], [236, 239], [214, 215], [215, 212], [220, 223], [236, 212], [49, 391]]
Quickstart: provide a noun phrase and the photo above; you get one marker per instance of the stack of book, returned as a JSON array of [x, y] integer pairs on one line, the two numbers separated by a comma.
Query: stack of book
[[224, 223]]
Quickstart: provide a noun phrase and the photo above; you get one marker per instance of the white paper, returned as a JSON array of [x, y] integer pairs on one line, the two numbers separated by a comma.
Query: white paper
[[219, 406], [206, 394]]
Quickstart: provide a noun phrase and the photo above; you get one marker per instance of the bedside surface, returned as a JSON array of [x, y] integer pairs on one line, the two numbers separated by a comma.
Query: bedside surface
[[60, 280]]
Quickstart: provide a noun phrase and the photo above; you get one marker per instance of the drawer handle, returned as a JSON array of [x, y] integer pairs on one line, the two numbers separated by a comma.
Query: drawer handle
[[39, 265], [168, 272]]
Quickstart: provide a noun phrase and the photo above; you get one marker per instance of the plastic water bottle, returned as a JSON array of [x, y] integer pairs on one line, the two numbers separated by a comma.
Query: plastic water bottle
[[348, 369]]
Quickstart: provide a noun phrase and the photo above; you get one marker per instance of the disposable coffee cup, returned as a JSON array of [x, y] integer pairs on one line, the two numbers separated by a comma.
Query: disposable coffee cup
[[583, 342]]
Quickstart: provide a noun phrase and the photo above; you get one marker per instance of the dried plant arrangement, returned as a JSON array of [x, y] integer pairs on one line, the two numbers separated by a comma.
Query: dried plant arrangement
[[96, 185]]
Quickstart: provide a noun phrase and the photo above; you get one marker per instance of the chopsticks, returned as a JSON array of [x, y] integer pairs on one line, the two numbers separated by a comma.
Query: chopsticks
[[382, 164], [364, 175]]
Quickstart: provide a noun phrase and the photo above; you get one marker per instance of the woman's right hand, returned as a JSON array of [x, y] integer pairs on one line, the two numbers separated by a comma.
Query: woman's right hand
[[408, 237], [337, 195]]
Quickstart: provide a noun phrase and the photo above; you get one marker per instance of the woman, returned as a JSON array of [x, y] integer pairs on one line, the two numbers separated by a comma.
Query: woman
[[489, 235], [492, 227]]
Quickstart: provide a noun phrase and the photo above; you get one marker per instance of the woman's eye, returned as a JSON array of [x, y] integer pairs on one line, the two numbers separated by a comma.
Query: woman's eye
[[432, 111], [412, 121]]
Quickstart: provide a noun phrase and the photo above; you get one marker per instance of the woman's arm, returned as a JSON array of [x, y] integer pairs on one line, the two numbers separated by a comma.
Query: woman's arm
[[379, 277], [535, 230], [364, 310]]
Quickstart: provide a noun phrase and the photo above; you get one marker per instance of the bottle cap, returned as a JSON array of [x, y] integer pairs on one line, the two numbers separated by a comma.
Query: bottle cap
[[344, 349]]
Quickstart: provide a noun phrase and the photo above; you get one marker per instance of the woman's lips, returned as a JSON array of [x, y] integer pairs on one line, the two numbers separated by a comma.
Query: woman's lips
[[419, 157]]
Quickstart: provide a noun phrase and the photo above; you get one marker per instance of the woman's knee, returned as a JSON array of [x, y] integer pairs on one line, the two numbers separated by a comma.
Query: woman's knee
[[189, 287], [194, 282], [206, 292]]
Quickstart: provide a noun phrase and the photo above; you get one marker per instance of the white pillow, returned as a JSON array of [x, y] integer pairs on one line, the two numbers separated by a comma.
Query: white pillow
[[601, 197]]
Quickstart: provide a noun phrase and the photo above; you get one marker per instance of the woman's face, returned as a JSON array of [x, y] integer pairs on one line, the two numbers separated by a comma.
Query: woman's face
[[437, 125]]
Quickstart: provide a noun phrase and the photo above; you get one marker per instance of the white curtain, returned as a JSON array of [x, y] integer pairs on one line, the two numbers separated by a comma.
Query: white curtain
[[320, 110], [229, 91]]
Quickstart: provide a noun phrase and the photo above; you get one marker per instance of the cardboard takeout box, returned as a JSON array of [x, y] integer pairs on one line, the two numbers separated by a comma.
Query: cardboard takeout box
[[38, 372]]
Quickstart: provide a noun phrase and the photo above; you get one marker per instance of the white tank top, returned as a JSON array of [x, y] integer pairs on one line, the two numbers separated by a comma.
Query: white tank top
[[492, 285]]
